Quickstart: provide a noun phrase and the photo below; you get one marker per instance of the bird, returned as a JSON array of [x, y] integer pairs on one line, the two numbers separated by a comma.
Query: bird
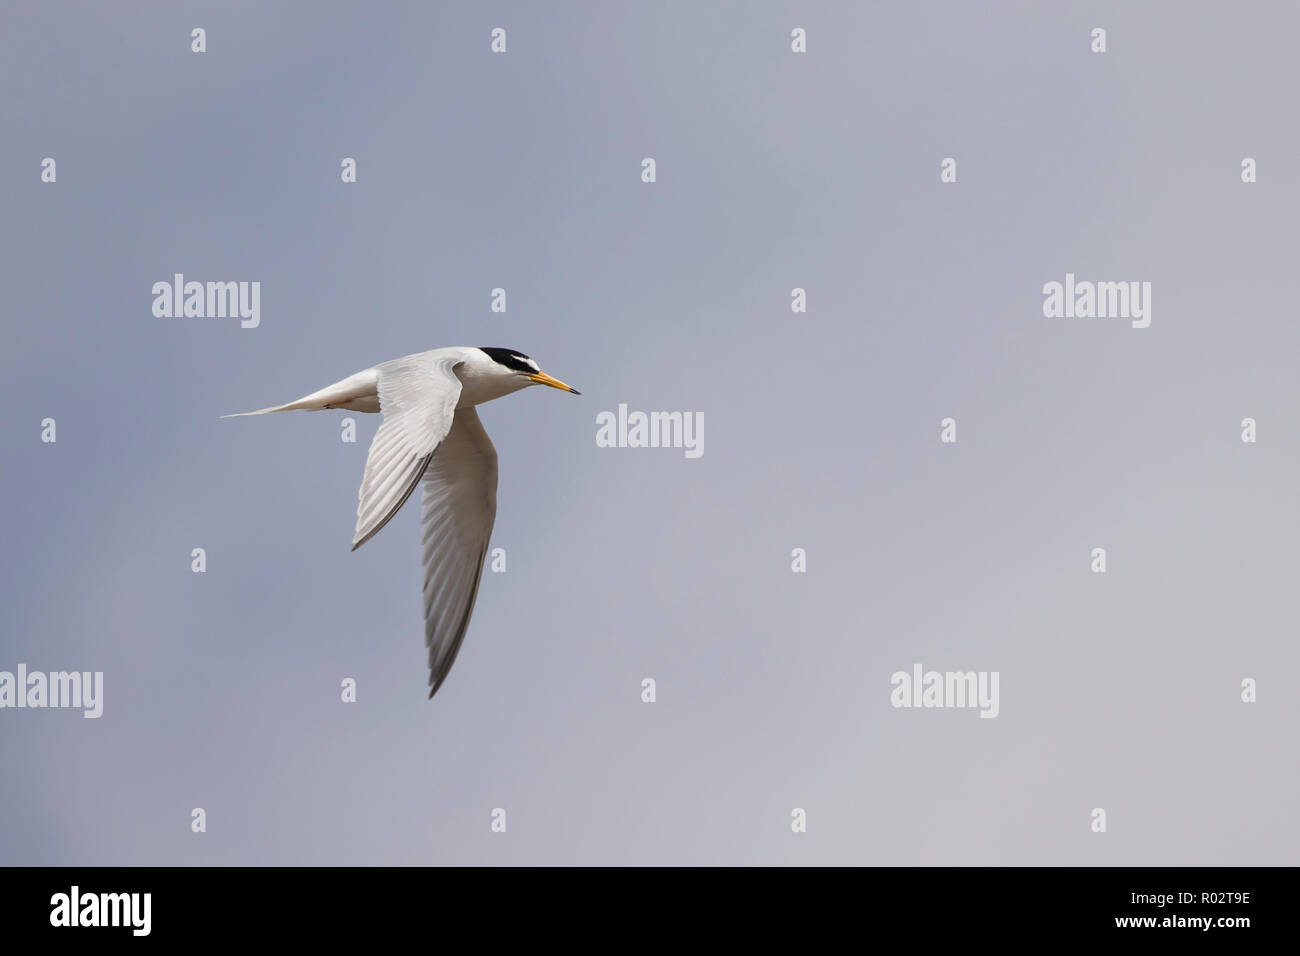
[[431, 436]]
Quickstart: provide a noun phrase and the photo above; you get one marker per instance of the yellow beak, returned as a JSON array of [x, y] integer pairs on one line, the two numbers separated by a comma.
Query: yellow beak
[[541, 378]]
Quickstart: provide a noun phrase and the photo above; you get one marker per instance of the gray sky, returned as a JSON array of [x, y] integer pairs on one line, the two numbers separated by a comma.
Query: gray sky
[[775, 170]]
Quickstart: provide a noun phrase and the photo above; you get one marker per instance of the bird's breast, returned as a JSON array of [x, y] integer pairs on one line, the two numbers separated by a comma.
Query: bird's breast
[[475, 389]]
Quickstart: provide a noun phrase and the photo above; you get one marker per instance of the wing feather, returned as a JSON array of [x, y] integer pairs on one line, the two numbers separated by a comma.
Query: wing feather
[[418, 396], [459, 509]]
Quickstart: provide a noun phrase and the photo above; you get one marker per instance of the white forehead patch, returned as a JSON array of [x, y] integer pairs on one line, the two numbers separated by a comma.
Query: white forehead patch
[[529, 362]]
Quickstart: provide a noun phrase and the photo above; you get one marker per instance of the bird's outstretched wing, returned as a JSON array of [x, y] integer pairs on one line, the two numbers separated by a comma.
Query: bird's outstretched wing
[[460, 506], [417, 396]]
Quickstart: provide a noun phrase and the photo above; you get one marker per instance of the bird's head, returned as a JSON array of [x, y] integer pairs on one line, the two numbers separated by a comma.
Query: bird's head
[[510, 363]]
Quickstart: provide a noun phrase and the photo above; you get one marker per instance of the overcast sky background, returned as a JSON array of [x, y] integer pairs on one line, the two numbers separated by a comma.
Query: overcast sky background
[[775, 170]]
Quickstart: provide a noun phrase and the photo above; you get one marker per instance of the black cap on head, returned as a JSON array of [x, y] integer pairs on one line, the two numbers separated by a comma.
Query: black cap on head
[[510, 358]]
